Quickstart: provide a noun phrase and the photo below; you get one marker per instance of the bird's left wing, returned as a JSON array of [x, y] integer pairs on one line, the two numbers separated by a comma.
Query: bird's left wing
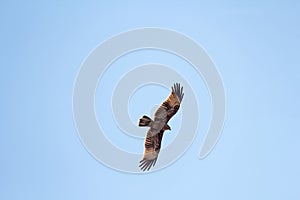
[[152, 148]]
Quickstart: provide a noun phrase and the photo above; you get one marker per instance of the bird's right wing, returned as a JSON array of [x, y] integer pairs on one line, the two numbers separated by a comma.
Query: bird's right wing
[[171, 105]]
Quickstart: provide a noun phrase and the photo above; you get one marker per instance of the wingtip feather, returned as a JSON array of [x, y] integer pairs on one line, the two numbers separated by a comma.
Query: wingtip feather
[[147, 164], [178, 91]]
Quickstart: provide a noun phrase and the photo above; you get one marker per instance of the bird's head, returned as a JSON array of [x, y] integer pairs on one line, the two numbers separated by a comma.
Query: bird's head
[[167, 127]]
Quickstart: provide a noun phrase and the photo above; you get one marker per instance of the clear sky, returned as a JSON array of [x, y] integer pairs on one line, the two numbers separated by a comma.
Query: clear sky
[[255, 46]]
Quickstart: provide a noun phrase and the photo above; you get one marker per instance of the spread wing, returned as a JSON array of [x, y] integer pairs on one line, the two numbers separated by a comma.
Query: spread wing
[[155, 133], [152, 148], [171, 105]]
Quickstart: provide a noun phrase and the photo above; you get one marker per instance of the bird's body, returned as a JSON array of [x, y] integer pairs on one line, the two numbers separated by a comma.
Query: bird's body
[[157, 126]]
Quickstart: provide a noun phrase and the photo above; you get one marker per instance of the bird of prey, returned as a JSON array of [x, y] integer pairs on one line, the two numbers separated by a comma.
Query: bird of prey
[[157, 126]]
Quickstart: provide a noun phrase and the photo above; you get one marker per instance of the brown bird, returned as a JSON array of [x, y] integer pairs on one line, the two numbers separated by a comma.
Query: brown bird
[[157, 126]]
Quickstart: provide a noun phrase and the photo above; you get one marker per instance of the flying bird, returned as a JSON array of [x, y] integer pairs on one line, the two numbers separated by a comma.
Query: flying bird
[[157, 126]]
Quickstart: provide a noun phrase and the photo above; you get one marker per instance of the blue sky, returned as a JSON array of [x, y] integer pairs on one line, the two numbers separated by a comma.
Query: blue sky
[[255, 46]]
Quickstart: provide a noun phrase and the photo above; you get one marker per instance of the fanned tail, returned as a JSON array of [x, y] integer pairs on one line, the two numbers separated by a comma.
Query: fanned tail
[[145, 121]]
